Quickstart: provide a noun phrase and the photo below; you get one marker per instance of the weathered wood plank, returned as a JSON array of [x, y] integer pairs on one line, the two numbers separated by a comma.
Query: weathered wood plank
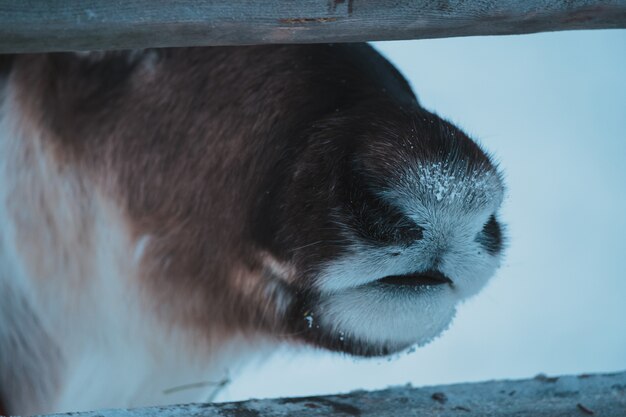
[[582, 395], [62, 25]]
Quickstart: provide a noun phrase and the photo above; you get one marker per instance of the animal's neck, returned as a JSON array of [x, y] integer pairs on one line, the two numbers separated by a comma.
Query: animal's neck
[[128, 360], [102, 345], [77, 327]]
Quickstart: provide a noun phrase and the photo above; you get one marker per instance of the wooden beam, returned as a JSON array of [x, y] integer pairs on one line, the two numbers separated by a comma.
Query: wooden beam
[[72, 25], [582, 395]]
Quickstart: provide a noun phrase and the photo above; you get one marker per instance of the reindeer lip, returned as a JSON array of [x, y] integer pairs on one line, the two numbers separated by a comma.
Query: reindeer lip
[[427, 278]]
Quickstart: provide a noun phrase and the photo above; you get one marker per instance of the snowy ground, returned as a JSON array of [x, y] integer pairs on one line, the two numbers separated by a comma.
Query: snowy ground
[[552, 108]]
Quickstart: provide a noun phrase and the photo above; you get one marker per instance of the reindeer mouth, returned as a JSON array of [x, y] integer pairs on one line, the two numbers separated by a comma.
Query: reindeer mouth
[[417, 279]]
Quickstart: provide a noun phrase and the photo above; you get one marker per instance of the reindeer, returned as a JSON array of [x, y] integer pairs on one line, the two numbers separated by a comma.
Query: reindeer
[[166, 214]]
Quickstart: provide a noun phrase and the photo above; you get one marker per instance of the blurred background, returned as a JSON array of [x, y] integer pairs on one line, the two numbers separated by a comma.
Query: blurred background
[[551, 108]]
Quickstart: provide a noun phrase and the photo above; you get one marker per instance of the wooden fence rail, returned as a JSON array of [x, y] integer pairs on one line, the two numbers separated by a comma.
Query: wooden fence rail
[[71, 25], [571, 396]]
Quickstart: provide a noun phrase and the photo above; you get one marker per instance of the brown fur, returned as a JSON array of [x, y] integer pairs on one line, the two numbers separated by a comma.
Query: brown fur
[[229, 159], [181, 151]]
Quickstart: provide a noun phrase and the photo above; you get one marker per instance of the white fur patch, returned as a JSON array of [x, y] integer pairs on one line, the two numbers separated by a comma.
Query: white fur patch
[[76, 332], [377, 316]]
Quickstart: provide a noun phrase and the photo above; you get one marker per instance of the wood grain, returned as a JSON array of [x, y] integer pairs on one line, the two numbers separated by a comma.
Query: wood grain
[[542, 396], [73, 25]]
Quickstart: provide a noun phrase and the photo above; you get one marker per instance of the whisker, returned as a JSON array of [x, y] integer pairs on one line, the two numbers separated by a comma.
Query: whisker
[[329, 242], [193, 385], [307, 245]]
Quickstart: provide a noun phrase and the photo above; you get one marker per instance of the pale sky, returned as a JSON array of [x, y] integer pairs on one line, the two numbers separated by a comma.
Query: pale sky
[[552, 109]]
